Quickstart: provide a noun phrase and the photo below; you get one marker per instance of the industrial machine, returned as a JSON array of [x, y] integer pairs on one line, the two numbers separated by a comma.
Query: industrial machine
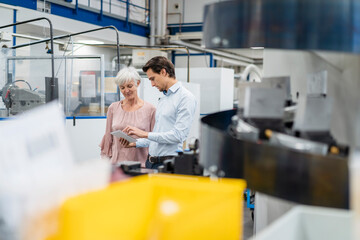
[[290, 156], [283, 150], [302, 163], [185, 163], [18, 100]]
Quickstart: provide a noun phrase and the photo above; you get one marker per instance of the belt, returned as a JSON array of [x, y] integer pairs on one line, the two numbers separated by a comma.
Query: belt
[[158, 159]]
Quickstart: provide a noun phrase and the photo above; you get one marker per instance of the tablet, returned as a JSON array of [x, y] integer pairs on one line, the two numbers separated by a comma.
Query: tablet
[[121, 134]]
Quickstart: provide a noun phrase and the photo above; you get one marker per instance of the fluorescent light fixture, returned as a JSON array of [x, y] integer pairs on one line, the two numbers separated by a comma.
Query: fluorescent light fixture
[[89, 42], [257, 48]]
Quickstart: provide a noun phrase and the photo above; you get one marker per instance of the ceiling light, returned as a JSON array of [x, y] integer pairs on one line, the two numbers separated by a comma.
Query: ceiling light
[[257, 48], [89, 42]]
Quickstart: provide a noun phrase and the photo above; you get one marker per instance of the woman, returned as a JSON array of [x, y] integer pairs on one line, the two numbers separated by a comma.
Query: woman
[[130, 111]]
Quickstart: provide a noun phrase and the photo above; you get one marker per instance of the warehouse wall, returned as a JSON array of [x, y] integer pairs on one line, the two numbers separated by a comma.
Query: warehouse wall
[[188, 11]]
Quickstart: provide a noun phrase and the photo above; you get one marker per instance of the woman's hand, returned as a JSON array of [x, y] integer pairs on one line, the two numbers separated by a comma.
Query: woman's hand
[[126, 143], [129, 130]]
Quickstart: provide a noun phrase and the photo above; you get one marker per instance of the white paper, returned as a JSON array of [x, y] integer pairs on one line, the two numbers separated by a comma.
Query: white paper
[[121, 134]]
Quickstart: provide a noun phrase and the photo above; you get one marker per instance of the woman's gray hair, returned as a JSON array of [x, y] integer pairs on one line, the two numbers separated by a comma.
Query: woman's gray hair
[[127, 74]]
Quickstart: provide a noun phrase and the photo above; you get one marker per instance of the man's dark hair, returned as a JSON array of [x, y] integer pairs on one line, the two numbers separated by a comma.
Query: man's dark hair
[[158, 63]]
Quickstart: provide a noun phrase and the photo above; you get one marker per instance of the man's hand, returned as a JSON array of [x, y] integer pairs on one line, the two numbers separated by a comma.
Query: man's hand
[[126, 143], [135, 131]]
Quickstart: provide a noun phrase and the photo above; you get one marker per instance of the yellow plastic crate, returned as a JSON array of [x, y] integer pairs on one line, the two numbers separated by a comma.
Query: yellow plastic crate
[[156, 207]]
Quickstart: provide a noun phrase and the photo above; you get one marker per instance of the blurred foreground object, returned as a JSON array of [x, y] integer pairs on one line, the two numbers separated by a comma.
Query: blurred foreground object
[[156, 207], [354, 168], [310, 223], [37, 173], [298, 24]]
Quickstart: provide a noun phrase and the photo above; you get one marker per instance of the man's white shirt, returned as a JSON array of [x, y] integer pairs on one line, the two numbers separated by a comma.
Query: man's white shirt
[[173, 120]]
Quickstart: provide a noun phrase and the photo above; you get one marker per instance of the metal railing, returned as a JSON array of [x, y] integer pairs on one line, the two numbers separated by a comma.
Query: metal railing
[[112, 3]]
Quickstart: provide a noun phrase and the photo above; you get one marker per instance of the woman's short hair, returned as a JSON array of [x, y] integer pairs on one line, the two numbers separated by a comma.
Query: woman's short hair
[[127, 74], [156, 64]]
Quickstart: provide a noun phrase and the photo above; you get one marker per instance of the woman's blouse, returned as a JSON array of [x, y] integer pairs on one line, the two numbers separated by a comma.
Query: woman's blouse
[[117, 119]]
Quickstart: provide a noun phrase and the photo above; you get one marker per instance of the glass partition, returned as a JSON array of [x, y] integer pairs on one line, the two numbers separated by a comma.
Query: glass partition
[[82, 85]]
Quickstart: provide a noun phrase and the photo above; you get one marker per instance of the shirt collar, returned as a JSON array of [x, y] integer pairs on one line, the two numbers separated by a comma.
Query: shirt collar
[[173, 88]]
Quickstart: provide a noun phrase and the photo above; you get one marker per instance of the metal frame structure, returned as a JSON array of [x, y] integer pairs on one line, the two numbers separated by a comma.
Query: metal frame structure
[[52, 84], [79, 33]]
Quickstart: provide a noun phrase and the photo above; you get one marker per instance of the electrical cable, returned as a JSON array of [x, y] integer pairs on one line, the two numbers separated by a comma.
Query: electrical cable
[[67, 44]]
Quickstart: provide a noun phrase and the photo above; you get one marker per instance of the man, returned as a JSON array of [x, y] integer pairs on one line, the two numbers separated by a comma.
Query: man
[[174, 114]]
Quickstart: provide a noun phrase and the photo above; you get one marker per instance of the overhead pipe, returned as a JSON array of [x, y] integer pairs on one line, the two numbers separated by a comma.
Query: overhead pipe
[[164, 18], [251, 68], [161, 20], [239, 58], [152, 22], [230, 61], [158, 22]]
